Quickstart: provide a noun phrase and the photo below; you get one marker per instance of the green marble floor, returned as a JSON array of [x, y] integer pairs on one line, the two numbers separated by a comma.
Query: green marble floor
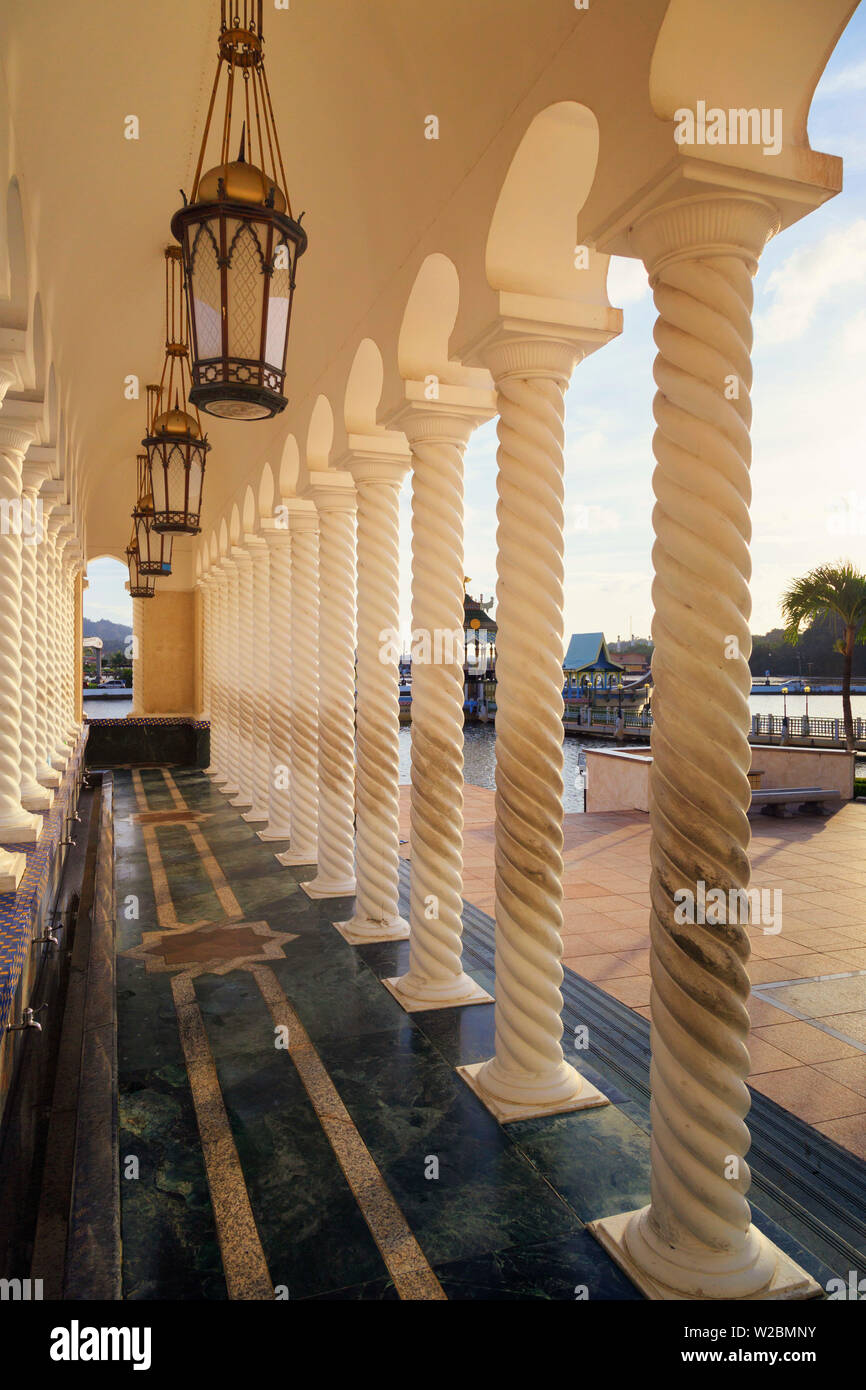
[[351, 1162]]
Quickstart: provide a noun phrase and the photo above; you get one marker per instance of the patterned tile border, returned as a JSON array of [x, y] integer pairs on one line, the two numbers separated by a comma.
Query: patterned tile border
[[146, 721]]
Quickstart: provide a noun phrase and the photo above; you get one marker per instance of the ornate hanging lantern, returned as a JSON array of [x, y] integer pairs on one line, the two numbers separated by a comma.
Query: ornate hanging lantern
[[176, 447], [240, 241], [154, 547], [140, 585]]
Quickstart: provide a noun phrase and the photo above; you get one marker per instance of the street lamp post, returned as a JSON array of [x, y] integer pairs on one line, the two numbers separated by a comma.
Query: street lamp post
[[806, 692]]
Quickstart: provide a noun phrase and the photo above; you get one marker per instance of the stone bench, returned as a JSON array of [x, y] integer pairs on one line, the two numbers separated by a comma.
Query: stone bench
[[780, 801]]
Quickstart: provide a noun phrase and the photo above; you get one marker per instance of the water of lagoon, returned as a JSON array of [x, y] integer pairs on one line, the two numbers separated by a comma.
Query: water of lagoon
[[479, 745]]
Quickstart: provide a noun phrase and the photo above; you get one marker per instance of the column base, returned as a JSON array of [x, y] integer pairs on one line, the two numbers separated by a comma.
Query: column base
[[276, 833], [59, 762], [416, 998], [330, 888], [297, 859], [46, 776], [581, 1096], [787, 1281], [12, 868], [22, 829], [215, 774], [363, 931], [228, 789], [255, 816], [36, 798], [241, 799]]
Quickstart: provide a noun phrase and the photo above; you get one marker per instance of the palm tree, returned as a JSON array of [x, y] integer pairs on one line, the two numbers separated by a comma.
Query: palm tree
[[834, 591]]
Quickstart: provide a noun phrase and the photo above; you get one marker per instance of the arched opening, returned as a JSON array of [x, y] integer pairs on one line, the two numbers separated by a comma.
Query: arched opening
[[107, 638], [13, 313]]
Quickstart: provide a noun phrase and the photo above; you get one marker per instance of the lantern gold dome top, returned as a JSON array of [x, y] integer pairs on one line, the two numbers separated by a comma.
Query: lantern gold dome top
[[241, 183], [239, 238], [177, 422]]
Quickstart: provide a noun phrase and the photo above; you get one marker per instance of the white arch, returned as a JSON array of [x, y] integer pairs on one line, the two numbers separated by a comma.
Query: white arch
[[532, 243], [320, 435], [13, 310], [267, 492], [429, 319]]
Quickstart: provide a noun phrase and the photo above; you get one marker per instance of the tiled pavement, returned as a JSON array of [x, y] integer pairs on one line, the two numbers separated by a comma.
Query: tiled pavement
[[808, 1007], [286, 1130]]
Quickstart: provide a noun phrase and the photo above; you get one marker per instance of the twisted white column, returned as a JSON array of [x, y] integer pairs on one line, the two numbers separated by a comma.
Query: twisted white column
[[436, 978], [279, 542], [59, 532], [17, 826], [243, 675], [45, 773], [72, 561], [695, 1239], [137, 617], [258, 685], [33, 796], [336, 503], [377, 765], [63, 668], [219, 753], [304, 523], [230, 663], [528, 1074], [204, 587]]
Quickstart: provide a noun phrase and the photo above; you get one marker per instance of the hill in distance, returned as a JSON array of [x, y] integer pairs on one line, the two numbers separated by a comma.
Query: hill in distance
[[114, 635]]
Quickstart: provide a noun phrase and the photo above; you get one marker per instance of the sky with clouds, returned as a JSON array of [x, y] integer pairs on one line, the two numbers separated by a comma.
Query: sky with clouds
[[809, 403]]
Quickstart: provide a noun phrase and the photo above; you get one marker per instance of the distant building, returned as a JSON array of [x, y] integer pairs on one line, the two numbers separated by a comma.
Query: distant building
[[635, 663], [479, 665], [588, 666]]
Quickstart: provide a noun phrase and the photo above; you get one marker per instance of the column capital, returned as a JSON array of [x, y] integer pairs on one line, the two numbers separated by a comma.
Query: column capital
[[377, 458], [255, 546], [539, 337], [15, 437], [536, 336], [54, 506], [689, 177], [332, 490], [529, 355], [300, 513], [13, 346], [273, 533], [450, 417], [241, 557], [369, 463], [35, 473], [722, 223]]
